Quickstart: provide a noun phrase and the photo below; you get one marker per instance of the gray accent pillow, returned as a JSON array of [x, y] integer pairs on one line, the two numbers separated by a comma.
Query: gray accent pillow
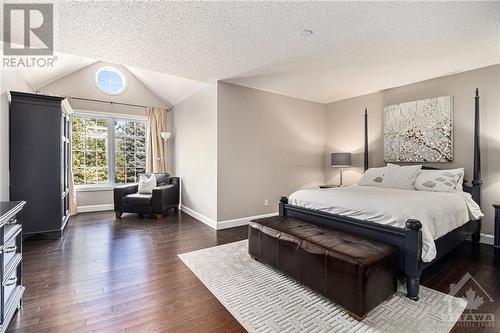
[[161, 178], [440, 180]]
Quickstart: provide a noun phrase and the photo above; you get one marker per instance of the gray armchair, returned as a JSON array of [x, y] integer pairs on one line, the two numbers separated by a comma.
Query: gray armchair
[[164, 197]]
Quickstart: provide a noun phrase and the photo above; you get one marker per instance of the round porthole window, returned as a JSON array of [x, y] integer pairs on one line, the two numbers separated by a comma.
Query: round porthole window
[[110, 80]]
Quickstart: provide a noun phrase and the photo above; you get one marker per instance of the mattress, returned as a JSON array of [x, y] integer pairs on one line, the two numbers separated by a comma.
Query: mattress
[[439, 212]]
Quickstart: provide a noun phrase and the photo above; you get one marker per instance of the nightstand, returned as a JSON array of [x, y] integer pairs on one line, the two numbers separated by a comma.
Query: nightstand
[[331, 186], [496, 246]]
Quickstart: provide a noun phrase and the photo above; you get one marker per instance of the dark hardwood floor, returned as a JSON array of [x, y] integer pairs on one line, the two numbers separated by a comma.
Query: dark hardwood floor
[[108, 275]]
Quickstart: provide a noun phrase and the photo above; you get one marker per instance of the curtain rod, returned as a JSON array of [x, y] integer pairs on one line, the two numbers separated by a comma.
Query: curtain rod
[[111, 102]]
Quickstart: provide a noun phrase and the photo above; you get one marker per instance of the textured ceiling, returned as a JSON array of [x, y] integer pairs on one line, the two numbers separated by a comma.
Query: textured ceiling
[[356, 48]]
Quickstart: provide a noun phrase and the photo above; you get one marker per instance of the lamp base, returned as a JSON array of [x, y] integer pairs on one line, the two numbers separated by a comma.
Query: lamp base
[[340, 185], [329, 186]]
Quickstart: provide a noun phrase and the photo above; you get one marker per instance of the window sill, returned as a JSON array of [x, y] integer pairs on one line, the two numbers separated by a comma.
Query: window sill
[[93, 188]]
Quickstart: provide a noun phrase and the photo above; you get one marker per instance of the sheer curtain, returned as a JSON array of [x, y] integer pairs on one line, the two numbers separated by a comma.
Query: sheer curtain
[[155, 152], [71, 184]]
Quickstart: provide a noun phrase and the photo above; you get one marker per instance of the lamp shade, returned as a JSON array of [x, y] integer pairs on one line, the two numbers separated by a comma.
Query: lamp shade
[[340, 160]]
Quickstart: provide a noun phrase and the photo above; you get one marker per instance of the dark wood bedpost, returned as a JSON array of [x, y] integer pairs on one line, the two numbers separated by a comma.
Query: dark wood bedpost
[[413, 256], [366, 141], [283, 202], [476, 179]]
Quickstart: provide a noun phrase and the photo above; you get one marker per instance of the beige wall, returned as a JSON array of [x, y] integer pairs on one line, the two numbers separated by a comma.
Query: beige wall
[[268, 146], [195, 150], [10, 80], [344, 127], [81, 84]]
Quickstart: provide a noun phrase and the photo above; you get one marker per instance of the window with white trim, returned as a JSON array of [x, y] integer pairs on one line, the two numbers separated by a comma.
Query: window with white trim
[[90, 150], [107, 150], [130, 150]]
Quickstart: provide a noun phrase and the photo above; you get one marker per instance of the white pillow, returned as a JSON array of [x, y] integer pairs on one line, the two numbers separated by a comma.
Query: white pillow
[[146, 185], [373, 177], [400, 177], [440, 180]]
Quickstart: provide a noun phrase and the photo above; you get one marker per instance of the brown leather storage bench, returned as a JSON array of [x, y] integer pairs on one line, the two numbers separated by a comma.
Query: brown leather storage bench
[[355, 273]]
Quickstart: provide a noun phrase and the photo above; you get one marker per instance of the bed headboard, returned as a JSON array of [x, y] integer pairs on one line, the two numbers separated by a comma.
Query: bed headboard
[[473, 187]]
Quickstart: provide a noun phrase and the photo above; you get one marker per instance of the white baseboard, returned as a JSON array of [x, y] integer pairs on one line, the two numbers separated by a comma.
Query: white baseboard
[[200, 217], [241, 221], [94, 208], [487, 239], [222, 224]]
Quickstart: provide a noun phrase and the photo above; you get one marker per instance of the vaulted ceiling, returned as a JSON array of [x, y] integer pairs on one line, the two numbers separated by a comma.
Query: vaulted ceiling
[[168, 87], [356, 47]]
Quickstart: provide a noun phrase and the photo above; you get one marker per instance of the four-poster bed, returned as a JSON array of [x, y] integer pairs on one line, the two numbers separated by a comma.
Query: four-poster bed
[[407, 240]]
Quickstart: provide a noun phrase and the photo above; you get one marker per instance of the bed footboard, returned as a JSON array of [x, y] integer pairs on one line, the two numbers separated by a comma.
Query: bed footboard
[[407, 240]]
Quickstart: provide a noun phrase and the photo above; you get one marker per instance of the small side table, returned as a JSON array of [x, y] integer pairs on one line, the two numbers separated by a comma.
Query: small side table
[[331, 186], [496, 245]]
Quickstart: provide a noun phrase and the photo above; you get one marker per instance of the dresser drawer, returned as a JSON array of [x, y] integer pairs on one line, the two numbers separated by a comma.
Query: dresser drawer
[[12, 278], [12, 243], [9, 252]]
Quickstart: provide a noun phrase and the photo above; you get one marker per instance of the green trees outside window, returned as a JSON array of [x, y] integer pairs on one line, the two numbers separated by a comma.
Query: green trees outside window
[[130, 150], [107, 150]]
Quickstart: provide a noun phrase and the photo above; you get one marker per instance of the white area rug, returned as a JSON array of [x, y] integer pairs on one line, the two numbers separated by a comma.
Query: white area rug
[[264, 300]]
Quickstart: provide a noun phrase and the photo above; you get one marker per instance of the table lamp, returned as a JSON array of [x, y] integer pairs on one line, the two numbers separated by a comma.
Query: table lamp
[[340, 160]]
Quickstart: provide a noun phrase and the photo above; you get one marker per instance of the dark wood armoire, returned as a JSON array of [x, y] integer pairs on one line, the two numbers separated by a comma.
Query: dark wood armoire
[[39, 162]]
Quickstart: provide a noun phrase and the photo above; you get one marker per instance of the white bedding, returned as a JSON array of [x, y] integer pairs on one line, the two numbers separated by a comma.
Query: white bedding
[[439, 212]]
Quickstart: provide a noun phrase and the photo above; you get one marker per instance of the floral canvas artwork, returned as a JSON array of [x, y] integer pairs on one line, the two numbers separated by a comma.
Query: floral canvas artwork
[[419, 131]]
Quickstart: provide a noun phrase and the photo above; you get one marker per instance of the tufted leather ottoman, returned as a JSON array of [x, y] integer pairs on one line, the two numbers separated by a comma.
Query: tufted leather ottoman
[[353, 272]]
